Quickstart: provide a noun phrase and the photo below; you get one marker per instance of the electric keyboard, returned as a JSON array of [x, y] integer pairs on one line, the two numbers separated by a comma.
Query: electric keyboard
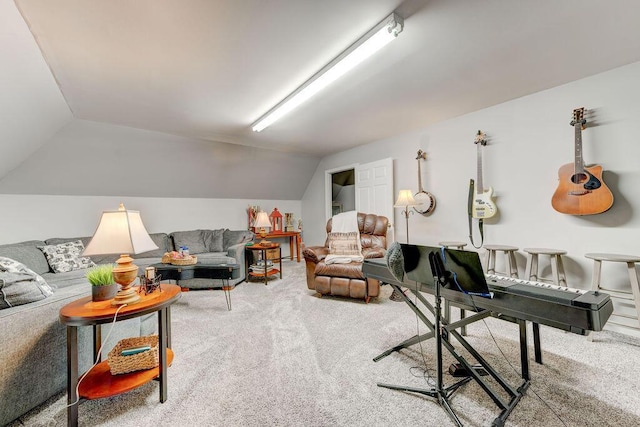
[[573, 310]]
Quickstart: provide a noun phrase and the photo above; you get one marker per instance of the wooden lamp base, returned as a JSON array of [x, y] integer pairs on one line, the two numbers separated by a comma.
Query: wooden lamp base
[[124, 274]]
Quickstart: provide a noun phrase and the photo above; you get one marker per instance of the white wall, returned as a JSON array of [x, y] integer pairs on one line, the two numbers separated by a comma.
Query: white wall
[[529, 139], [39, 217]]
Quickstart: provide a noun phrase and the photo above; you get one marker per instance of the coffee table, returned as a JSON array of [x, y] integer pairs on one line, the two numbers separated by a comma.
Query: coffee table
[[200, 270], [98, 382]]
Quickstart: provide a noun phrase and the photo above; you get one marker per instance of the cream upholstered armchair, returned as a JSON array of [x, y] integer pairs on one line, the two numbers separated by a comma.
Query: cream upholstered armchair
[[347, 280]]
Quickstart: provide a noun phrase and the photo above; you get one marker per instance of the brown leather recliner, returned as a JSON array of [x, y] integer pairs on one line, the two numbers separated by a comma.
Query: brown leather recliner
[[347, 280]]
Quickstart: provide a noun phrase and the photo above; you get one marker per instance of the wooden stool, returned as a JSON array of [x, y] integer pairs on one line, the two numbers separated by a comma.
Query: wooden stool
[[454, 245], [557, 268], [633, 295], [510, 258]]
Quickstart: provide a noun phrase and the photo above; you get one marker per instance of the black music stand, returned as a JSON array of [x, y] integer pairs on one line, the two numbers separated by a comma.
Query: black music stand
[[464, 276], [438, 392]]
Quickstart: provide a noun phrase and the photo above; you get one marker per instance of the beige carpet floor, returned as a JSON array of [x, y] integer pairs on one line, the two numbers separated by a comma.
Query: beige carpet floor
[[285, 357]]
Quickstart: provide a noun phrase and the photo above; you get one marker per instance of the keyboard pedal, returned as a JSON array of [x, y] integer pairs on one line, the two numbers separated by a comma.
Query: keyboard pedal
[[457, 370]]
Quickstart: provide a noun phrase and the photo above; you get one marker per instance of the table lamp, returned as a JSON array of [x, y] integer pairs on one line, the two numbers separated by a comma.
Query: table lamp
[[262, 222], [121, 232]]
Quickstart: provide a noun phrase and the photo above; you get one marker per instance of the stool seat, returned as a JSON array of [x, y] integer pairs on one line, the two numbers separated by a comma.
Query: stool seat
[[613, 257], [633, 294], [457, 245], [500, 248], [557, 267], [545, 251], [510, 257]]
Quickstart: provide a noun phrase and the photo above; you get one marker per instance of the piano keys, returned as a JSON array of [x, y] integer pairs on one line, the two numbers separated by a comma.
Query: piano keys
[[571, 310]]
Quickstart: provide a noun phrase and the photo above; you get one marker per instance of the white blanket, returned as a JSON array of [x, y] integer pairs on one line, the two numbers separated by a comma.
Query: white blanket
[[345, 222]]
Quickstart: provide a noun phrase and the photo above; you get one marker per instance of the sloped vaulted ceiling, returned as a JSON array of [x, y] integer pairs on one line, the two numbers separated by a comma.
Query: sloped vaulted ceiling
[[32, 108], [208, 68], [205, 70]]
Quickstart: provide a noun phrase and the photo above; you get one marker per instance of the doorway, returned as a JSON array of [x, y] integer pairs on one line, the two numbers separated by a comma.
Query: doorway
[[364, 187], [343, 191]]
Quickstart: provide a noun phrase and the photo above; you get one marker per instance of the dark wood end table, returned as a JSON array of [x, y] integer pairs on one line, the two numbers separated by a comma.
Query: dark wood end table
[[99, 382], [263, 249]]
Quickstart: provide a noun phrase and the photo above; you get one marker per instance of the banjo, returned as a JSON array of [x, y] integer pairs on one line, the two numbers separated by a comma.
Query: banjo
[[426, 201]]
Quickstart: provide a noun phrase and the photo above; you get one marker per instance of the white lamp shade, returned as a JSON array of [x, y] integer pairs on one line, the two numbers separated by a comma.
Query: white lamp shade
[[405, 198], [120, 232], [262, 220]]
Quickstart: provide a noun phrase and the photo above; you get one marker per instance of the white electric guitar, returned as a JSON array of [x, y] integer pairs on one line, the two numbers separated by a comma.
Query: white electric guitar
[[483, 205]]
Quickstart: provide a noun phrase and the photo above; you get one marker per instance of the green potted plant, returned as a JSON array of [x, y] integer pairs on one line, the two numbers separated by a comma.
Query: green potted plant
[[103, 287]]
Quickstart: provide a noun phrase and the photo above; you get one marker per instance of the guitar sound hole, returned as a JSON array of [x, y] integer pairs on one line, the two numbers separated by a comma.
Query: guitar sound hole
[[579, 177]]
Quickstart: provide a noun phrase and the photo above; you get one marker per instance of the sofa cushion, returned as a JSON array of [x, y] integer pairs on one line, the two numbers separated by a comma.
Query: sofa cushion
[[20, 285], [352, 270], [163, 243], [234, 237], [28, 254], [65, 257], [216, 258], [193, 239], [214, 240]]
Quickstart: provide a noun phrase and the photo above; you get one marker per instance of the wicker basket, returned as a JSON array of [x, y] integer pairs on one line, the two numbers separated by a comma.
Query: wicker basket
[[185, 261], [119, 364], [166, 258]]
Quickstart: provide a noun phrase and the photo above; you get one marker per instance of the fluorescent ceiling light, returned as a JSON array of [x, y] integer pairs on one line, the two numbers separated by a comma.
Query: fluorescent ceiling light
[[367, 45]]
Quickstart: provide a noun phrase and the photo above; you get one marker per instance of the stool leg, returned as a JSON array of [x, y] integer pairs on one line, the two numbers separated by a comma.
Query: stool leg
[[562, 278], [491, 262], [595, 283], [532, 266], [635, 286], [595, 279], [513, 266], [553, 259]]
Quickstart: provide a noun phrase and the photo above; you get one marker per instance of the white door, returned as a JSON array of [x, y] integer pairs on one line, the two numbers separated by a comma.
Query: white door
[[374, 190]]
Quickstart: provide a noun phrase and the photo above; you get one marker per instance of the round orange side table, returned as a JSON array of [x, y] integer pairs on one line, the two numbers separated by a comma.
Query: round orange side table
[[99, 382]]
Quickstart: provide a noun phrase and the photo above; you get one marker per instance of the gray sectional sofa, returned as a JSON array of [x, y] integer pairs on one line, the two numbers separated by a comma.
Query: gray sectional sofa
[[33, 350]]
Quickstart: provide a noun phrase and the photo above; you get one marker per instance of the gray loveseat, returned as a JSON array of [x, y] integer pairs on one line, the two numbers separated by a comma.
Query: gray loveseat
[[33, 350]]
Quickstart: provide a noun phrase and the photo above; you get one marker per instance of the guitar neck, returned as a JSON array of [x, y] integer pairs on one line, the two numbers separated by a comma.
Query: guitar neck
[[480, 186], [578, 166]]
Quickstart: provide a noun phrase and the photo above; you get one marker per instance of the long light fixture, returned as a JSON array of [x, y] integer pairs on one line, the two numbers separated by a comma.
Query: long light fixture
[[367, 45]]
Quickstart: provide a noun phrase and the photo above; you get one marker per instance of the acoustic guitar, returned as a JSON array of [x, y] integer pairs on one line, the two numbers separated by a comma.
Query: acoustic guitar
[[426, 201], [581, 190], [483, 205]]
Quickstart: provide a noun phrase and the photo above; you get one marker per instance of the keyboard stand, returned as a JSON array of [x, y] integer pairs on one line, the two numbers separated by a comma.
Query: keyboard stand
[[443, 393]]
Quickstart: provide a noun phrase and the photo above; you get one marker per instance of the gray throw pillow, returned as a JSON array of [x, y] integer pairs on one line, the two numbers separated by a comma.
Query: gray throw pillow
[[28, 254], [20, 285], [66, 257], [162, 241], [216, 240], [193, 239]]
